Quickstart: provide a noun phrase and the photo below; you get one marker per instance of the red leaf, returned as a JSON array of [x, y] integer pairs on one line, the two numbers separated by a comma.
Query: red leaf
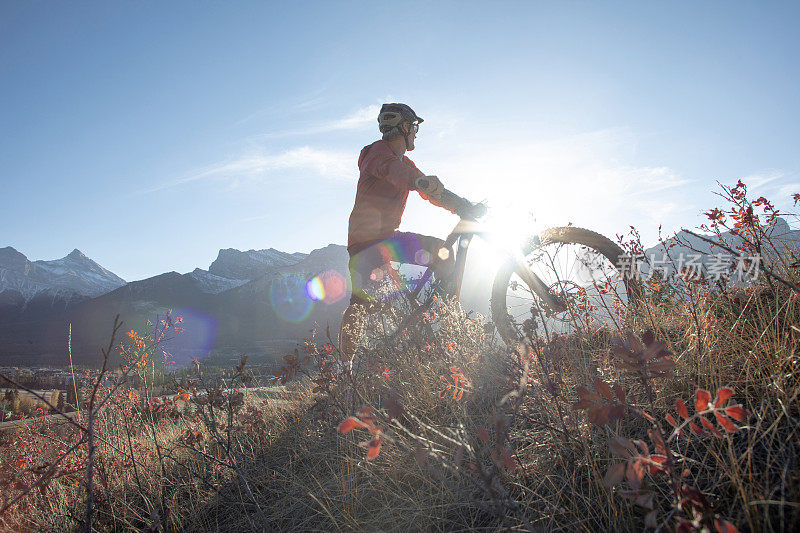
[[671, 421], [621, 447], [634, 474], [373, 447], [651, 519], [508, 462], [642, 445], [584, 394], [349, 424], [483, 435], [723, 526], [709, 426], [393, 407], [659, 461], [603, 388], [620, 393], [703, 399], [459, 457], [614, 475], [681, 407], [723, 395], [583, 404], [737, 413], [599, 415], [616, 412], [695, 428], [725, 422]]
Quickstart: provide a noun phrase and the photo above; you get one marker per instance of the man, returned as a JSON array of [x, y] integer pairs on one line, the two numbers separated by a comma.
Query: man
[[386, 178]]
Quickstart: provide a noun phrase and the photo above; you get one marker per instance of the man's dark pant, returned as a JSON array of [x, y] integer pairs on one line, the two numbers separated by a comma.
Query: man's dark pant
[[370, 264]]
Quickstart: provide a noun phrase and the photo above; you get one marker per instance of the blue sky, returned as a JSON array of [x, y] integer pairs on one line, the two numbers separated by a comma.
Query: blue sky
[[151, 134]]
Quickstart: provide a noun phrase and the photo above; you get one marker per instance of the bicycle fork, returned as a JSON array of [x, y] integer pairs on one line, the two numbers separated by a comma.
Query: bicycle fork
[[551, 302]]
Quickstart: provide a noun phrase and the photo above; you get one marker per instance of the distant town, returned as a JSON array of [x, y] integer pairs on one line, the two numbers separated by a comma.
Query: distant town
[[59, 386]]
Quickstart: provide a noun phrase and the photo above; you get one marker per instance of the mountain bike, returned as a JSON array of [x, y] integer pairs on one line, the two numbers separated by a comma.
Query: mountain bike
[[555, 282]]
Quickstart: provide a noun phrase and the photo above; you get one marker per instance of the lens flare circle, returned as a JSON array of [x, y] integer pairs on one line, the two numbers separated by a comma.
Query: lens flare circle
[[197, 338], [328, 287], [290, 299]]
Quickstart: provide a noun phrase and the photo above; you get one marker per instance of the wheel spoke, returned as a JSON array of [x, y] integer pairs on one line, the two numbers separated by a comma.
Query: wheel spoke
[[584, 277]]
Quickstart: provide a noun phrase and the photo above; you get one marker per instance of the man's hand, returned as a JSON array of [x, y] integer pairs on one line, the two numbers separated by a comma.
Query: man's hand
[[476, 210], [431, 186]]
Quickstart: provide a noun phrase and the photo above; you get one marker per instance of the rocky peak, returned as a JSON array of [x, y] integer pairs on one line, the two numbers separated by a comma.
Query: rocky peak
[[12, 259], [235, 264]]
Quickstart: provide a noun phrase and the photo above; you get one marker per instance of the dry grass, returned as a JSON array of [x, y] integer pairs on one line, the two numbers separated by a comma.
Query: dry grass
[[440, 466]]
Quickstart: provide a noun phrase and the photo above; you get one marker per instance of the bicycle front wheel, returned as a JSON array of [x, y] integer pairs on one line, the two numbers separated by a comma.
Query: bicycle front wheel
[[578, 266]]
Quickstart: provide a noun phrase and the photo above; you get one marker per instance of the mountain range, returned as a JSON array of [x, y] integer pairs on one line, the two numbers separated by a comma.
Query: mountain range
[[255, 302]]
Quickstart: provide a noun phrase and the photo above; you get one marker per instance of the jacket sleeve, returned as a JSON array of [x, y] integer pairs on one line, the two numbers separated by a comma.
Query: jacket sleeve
[[439, 203], [384, 164]]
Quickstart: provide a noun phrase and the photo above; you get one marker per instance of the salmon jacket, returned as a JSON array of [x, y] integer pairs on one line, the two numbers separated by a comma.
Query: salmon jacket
[[384, 182]]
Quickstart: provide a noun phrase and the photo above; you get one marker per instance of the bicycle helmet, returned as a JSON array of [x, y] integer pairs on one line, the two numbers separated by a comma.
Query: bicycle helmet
[[392, 116]]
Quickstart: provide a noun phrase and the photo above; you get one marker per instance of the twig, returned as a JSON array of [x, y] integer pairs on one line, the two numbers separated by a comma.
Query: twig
[[90, 423], [42, 478]]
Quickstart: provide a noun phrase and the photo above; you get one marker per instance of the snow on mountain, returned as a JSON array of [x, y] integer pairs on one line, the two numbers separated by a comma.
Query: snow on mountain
[[70, 275], [213, 284], [235, 264]]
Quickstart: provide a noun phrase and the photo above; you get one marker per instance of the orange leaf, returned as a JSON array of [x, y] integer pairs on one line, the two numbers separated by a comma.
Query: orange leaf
[[725, 422], [635, 473], [723, 395], [703, 399], [659, 460], [373, 447], [709, 426], [737, 412], [350, 424], [681, 407], [694, 427]]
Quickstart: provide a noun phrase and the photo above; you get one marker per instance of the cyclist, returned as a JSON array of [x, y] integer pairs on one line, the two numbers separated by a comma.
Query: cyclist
[[386, 178]]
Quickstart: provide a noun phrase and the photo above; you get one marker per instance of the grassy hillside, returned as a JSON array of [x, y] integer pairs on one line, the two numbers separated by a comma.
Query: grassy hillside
[[682, 417]]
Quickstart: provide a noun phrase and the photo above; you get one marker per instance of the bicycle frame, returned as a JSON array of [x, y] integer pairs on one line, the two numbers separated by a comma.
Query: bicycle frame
[[461, 236]]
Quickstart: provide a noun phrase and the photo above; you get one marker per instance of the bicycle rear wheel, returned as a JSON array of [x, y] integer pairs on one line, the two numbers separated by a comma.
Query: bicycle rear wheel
[[577, 265]]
